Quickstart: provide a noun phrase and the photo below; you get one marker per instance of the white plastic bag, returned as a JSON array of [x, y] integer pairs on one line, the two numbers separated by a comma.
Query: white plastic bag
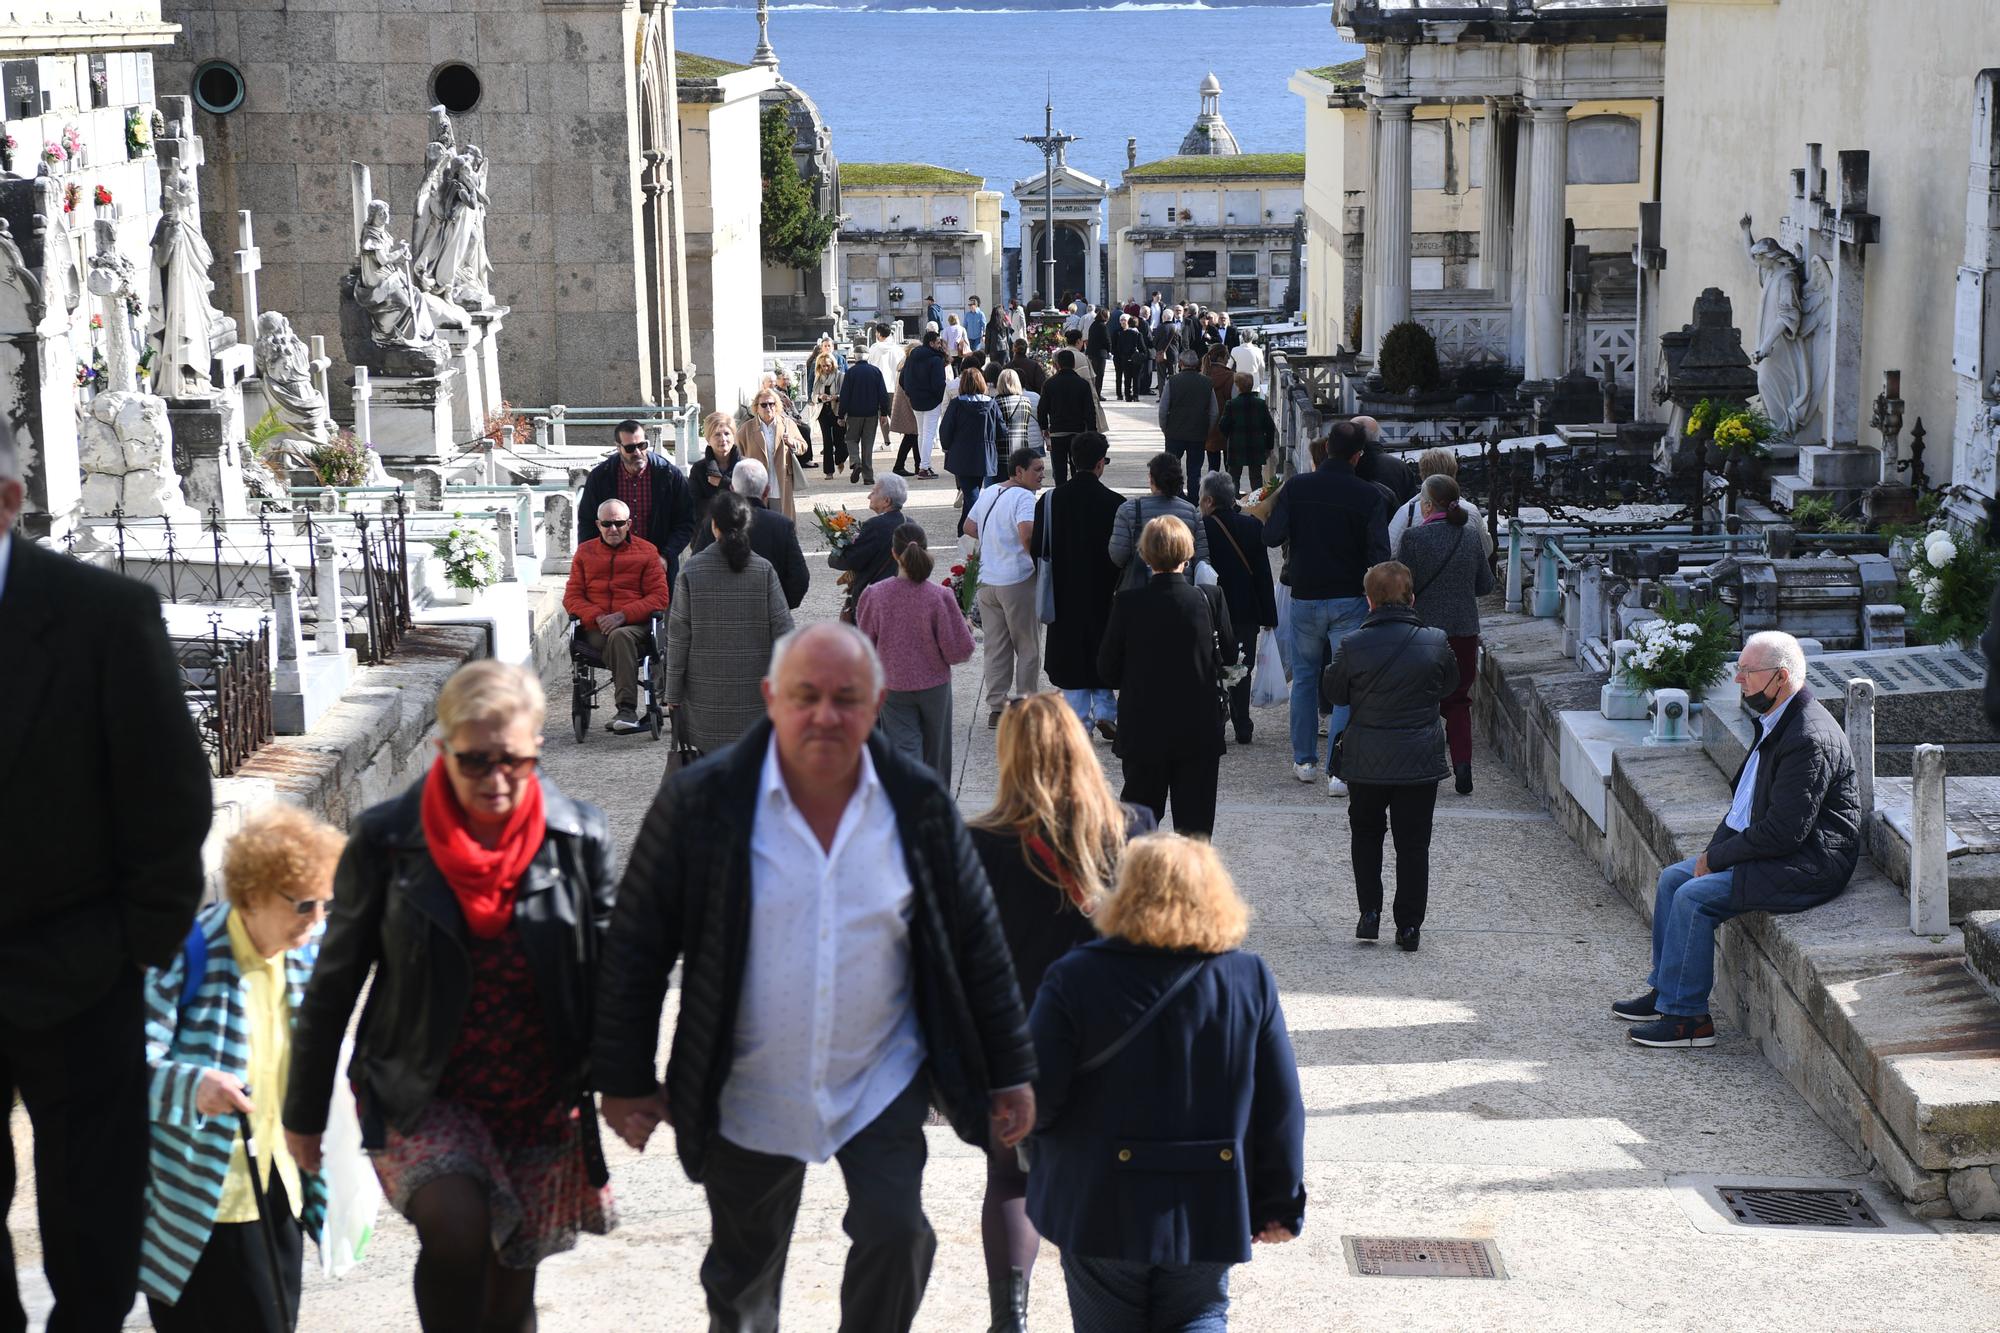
[[353, 1193], [1283, 634], [1268, 686], [1205, 575]]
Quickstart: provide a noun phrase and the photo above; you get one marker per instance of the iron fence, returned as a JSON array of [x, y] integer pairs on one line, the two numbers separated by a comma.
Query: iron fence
[[226, 679], [385, 573]]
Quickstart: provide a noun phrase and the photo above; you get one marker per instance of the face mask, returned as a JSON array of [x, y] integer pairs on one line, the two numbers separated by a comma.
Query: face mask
[[1763, 701]]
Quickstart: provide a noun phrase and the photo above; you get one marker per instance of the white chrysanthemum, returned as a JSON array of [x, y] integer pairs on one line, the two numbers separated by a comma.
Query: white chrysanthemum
[[1940, 549]]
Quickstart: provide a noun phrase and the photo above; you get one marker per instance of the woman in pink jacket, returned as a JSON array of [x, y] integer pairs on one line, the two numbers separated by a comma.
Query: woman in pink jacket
[[921, 635]]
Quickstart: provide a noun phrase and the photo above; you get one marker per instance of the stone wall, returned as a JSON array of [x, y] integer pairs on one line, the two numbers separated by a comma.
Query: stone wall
[[557, 116]]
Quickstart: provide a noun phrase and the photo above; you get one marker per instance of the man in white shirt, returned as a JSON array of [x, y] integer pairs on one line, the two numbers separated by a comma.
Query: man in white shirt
[[1790, 842], [1247, 358], [1001, 520], [842, 964]]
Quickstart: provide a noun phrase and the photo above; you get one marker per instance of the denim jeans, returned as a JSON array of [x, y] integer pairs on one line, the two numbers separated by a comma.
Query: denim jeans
[[1125, 1296], [1092, 706], [1318, 626], [1686, 910]]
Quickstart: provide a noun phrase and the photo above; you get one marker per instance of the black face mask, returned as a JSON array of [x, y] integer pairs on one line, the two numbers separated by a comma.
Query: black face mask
[[1763, 701]]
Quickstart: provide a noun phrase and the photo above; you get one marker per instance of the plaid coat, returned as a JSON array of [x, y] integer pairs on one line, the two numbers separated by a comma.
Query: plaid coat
[[1248, 430]]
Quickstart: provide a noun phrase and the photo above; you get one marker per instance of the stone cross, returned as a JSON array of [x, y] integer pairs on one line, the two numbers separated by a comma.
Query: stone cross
[[180, 146], [249, 259], [364, 428], [319, 365], [1838, 233], [1975, 345]]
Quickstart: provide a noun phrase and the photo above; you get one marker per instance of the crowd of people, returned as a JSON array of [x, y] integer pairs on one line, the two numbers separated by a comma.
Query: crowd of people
[[1065, 984]]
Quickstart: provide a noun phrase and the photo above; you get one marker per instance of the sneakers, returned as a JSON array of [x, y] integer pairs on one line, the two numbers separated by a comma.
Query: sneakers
[[1335, 788], [1672, 1031], [626, 722], [1645, 1009], [1306, 772], [1322, 726]]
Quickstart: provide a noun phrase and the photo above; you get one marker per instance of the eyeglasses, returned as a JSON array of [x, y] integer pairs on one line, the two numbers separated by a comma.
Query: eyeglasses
[[307, 906], [474, 764], [614, 522]]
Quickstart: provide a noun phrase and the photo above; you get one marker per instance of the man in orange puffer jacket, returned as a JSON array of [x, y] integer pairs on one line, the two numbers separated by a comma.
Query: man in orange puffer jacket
[[616, 583]]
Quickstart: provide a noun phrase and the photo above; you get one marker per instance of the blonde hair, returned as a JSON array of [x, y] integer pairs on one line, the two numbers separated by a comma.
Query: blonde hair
[[1052, 786], [1166, 543], [1173, 893], [1010, 382], [280, 849], [490, 691], [711, 421], [1437, 462]]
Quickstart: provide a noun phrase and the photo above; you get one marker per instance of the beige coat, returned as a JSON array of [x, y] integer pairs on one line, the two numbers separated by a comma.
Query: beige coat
[[791, 444]]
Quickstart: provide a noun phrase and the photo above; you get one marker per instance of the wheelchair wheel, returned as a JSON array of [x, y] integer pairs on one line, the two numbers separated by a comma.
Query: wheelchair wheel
[[579, 706]]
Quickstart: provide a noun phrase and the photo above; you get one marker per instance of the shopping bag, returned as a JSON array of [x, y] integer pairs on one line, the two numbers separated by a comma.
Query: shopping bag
[[1267, 682], [1283, 634], [353, 1193]]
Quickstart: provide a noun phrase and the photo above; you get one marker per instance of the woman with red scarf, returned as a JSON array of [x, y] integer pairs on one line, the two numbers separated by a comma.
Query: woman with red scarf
[[1050, 845], [479, 899]]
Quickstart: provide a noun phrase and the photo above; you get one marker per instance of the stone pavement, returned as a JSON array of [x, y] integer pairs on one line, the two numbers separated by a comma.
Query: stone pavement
[[1478, 1088]]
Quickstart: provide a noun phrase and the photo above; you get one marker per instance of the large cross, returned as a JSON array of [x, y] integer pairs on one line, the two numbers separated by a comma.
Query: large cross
[[249, 259], [179, 145]]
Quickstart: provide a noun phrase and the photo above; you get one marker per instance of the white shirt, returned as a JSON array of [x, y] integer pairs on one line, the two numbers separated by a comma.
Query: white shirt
[[826, 1032], [1739, 809], [885, 356], [1248, 359], [1003, 561], [955, 339], [1411, 513]]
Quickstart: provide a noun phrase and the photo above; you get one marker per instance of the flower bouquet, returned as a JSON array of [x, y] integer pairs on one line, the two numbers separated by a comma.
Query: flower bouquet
[[1950, 584], [836, 525], [470, 562], [1731, 426], [1686, 649], [138, 134], [964, 584]]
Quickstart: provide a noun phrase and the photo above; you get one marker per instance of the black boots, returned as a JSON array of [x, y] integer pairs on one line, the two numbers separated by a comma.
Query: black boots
[[1463, 772], [1009, 1297]]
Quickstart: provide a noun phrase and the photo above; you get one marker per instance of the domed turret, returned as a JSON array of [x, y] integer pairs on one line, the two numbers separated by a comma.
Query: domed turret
[[1210, 136]]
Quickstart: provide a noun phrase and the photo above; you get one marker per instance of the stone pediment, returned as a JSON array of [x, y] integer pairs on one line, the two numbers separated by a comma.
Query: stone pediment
[[1070, 184]]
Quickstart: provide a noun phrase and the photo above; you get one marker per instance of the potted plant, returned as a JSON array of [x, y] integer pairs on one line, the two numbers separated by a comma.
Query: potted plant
[[1685, 649], [470, 562], [1950, 585]]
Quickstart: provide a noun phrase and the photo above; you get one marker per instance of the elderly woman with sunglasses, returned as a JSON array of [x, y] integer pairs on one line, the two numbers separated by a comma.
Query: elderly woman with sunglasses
[[772, 438], [479, 900], [218, 1039]]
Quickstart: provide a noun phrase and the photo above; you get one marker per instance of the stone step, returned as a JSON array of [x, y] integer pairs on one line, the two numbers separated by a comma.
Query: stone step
[[1982, 949]]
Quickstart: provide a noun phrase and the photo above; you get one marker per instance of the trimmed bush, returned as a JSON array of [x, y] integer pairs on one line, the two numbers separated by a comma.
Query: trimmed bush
[[1409, 359]]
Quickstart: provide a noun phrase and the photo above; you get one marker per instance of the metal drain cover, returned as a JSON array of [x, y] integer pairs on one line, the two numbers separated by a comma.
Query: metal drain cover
[[1422, 1256], [1763, 1207]]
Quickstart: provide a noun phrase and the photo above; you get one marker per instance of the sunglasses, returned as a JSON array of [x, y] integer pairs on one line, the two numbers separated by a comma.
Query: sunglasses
[[476, 765], [767, 403], [307, 906], [638, 448], [614, 522]]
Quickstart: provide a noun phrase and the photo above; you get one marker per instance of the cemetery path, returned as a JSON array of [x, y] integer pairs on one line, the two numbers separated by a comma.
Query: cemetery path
[[1479, 1088]]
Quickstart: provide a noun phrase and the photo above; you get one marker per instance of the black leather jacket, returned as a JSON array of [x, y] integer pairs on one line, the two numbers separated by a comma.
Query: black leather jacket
[[395, 915], [1392, 673]]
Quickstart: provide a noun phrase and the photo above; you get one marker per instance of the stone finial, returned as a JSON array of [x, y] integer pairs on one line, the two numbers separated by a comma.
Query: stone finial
[[766, 56]]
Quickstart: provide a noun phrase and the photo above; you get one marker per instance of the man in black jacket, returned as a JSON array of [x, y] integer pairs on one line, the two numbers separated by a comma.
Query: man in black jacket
[[1338, 526], [1067, 409], [1128, 348], [772, 535], [1033, 375], [104, 803], [651, 486], [864, 400], [868, 558], [1097, 344], [1167, 347], [1790, 841], [813, 1024]]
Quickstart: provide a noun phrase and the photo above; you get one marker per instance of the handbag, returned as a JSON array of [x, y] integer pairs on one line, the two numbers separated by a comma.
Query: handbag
[[1222, 681], [1045, 573], [1334, 758]]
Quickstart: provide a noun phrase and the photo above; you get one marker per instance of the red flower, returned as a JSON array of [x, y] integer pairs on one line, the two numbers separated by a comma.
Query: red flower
[[958, 569], [103, 196]]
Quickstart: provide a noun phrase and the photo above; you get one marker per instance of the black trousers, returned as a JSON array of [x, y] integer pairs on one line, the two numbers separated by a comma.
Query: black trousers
[[1372, 810], [1239, 693], [1096, 360], [1191, 453], [232, 1287], [909, 451], [832, 442], [1059, 456], [84, 1084], [1126, 373], [1191, 783], [753, 1200], [1256, 478]]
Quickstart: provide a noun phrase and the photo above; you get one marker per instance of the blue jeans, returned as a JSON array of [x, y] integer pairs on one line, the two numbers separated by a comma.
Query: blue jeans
[[1124, 1296], [1317, 628], [1686, 911], [1092, 706], [1190, 453]]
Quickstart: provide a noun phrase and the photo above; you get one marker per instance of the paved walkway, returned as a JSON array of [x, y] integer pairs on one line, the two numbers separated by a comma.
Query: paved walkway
[[1478, 1088]]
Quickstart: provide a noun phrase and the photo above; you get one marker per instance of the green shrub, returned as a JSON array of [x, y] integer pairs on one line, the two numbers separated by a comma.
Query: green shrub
[[1409, 359]]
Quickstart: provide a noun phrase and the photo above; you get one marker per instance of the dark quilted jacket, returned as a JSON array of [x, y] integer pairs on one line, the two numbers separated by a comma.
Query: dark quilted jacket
[[686, 897]]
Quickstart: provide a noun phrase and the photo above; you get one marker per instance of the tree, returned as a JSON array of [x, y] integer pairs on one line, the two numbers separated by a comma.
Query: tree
[[795, 232]]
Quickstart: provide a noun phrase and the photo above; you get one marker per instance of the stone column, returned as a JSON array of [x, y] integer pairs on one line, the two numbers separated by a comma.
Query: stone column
[[332, 630], [1369, 226], [503, 522], [1861, 742], [1517, 284], [1930, 881], [1496, 242], [1547, 271], [1391, 224]]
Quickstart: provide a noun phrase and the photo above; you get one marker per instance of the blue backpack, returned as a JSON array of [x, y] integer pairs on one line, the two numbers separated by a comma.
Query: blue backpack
[[194, 952]]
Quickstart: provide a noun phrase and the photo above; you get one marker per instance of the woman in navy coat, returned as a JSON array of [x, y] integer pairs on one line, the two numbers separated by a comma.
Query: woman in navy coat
[[1154, 1171]]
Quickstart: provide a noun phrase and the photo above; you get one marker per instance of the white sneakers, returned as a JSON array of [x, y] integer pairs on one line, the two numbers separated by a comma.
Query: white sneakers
[[1335, 788], [1306, 772]]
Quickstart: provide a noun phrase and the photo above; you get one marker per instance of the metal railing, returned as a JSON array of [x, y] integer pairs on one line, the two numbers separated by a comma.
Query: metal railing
[[226, 678]]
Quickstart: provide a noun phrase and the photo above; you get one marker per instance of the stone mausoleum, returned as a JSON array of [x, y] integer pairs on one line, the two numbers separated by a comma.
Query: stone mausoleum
[[910, 229]]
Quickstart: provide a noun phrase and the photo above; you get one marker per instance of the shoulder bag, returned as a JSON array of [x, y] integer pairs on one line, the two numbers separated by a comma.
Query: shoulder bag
[[1334, 759], [1045, 573], [1215, 648]]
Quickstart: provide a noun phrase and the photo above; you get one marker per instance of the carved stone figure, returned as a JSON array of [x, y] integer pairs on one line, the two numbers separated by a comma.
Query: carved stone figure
[[433, 209], [464, 272], [395, 331], [285, 366], [181, 328], [1791, 315], [114, 279], [23, 304]]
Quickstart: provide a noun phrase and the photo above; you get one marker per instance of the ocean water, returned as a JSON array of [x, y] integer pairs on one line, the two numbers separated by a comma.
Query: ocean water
[[959, 86]]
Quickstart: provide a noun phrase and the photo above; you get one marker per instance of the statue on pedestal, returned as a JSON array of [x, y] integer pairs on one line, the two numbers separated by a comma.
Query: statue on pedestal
[[285, 367], [388, 322], [1794, 311], [464, 272], [182, 327]]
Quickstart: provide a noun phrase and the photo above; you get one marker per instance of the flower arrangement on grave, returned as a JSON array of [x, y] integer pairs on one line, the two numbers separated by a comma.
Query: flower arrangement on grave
[[96, 322], [54, 153], [102, 197], [72, 196], [138, 134], [1731, 426], [88, 373], [100, 82], [1685, 649], [72, 142], [1044, 338], [837, 526], [261, 438], [896, 296], [470, 562], [7, 146], [964, 584], [341, 461], [503, 416], [1950, 584]]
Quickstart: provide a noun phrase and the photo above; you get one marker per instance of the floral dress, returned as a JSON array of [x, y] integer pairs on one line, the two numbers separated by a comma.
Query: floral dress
[[499, 1117]]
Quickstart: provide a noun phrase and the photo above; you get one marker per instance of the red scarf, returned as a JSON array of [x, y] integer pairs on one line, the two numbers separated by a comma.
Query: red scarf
[[483, 879]]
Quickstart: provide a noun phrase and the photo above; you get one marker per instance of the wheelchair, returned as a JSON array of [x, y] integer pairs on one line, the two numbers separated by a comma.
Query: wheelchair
[[585, 662]]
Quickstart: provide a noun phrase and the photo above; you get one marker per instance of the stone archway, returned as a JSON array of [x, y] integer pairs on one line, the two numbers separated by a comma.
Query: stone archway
[[1072, 267]]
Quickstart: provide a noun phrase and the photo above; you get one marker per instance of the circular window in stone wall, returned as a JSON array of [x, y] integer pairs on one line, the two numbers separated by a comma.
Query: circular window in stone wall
[[218, 87], [455, 87]]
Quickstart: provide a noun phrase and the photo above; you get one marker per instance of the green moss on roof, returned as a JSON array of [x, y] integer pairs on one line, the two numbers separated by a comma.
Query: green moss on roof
[[1238, 164], [688, 65], [1343, 74], [861, 175]]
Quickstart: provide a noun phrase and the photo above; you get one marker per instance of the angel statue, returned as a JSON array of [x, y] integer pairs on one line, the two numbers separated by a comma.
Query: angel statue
[[464, 272], [184, 317], [285, 367], [1791, 315], [433, 209]]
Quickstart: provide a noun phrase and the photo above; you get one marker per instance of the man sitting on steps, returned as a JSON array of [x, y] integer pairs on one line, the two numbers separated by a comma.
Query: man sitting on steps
[[1790, 841]]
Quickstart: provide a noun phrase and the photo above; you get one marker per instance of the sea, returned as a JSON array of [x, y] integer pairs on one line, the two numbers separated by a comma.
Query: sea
[[959, 85]]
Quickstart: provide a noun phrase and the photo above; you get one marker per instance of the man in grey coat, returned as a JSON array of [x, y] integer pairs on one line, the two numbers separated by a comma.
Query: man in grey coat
[[1790, 841], [1187, 412]]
